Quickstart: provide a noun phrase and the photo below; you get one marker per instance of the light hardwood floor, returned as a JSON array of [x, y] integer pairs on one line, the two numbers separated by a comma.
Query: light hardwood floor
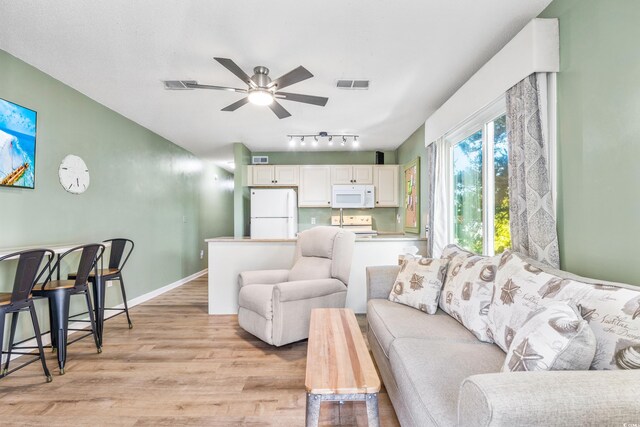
[[177, 366]]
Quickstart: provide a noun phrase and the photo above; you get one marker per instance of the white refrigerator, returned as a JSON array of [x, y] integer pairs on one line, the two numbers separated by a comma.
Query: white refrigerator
[[274, 213]]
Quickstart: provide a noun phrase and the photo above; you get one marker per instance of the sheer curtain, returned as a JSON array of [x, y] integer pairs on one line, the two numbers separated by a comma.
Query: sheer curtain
[[531, 206], [441, 209]]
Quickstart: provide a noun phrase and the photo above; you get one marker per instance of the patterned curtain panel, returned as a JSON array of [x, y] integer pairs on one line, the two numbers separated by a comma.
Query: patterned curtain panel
[[532, 218], [430, 161]]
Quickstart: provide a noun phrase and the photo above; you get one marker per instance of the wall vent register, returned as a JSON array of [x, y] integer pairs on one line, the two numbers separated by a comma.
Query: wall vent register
[[260, 160]]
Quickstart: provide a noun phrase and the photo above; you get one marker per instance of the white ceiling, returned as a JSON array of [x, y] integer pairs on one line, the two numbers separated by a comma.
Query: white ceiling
[[416, 54]]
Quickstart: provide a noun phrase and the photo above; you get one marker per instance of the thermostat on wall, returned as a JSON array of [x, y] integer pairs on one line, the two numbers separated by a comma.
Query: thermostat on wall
[[260, 160]]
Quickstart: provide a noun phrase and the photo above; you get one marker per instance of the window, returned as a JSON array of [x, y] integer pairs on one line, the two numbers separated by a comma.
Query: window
[[479, 181]]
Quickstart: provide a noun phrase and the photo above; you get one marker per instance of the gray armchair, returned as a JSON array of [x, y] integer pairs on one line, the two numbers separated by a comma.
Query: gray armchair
[[275, 305]]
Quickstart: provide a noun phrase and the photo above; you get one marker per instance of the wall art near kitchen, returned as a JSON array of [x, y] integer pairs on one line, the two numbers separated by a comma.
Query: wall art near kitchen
[[411, 192], [17, 145]]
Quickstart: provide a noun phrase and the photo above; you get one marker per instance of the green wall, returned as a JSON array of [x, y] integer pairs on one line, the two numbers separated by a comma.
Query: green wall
[[410, 149], [241, 197], [216, 204], [143, 187], [598, 128]]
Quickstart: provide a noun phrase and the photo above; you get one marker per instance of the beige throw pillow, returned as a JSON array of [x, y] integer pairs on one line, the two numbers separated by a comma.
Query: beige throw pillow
[[612, 311], [468, 289], [419, 282], [555, 338]]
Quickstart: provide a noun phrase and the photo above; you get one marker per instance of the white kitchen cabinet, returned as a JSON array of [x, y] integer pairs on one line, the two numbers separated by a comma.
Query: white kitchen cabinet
[[273, 175], [315, 186], [286, 175], [363, 174], [386, 180], [261, 175], [341, 174], [351, 174]]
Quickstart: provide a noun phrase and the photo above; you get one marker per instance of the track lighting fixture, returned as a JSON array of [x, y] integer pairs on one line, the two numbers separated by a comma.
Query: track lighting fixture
[[322, 137]]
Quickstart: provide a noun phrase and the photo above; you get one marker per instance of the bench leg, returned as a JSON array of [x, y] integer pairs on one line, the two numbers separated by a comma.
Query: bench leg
[[312, 416], [372, 410]]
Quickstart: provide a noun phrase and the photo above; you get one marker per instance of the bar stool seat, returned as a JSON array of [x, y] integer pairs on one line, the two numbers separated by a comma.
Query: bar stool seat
[[55, 284], [5, 298], [101, 272]]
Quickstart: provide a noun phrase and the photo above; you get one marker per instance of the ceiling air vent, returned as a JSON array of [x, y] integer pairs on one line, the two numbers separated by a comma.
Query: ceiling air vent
[[360, 84], [178, 84], [353, 84]]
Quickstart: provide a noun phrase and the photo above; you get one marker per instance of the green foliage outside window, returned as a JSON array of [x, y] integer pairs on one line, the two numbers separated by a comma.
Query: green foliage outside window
[[468, 186]]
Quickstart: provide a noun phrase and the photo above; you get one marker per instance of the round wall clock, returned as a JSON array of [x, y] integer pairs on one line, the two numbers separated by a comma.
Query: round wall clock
[[74, 174]]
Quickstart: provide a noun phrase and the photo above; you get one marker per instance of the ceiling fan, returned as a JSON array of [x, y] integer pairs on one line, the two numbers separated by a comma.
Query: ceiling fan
[[261, 90]]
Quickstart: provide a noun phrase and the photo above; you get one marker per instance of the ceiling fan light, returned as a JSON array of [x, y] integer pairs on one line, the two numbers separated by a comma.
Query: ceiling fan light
[[260, 97]]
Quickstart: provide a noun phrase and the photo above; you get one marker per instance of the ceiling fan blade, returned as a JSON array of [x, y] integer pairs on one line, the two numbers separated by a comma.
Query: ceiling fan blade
[[292, 77], [279, 110], [307, 99], [236, 105], [201, 86], [233, 67]]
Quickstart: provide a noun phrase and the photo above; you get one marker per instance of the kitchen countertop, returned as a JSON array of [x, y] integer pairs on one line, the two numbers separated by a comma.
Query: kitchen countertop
[[378, 238]]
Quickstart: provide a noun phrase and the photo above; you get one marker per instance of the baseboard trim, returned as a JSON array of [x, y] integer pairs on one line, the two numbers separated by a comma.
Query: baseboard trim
[[46, 340]]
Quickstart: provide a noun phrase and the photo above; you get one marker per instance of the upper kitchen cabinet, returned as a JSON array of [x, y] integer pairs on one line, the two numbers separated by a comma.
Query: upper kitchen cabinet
[[286, 175], [352, 174], [386, 180], [273, 175], [315, 186]]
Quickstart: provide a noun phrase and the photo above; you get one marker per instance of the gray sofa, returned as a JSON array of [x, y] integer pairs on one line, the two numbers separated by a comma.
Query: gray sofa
[[437, 372]]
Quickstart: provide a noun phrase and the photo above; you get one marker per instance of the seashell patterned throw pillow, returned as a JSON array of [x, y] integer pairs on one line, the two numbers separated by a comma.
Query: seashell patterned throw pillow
[[468, 289], [419, 282], [554, 338], [612, 310]]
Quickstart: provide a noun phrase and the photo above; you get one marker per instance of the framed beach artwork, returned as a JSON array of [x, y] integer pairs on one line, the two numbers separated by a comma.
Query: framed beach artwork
[[17, 145], [411, 202]]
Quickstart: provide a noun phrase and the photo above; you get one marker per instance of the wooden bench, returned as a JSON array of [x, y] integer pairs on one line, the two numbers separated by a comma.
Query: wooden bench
[[339, 367]]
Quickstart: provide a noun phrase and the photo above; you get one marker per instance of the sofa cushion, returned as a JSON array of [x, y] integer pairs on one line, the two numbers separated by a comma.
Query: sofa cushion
[[310, 268], [555, 338], [389, 321], [419, 282], [468, 290], [612, 309], [429, 373], [257, 298]]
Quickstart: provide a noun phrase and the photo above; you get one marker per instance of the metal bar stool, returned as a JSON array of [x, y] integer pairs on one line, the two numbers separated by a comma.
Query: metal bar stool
[[114, 272], [19, 300], [59, 293]]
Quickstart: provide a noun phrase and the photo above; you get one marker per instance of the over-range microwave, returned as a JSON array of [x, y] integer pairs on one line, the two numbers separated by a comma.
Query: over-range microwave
[[352, 196]]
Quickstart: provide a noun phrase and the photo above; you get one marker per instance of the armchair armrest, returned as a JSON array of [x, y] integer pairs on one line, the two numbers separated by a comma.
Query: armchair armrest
[[306, 289], [380, 280], [550, 398], [262, 277]]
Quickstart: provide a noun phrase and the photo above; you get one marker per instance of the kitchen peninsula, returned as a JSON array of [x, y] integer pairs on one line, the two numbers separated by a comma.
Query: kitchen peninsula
[[230, 256]]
